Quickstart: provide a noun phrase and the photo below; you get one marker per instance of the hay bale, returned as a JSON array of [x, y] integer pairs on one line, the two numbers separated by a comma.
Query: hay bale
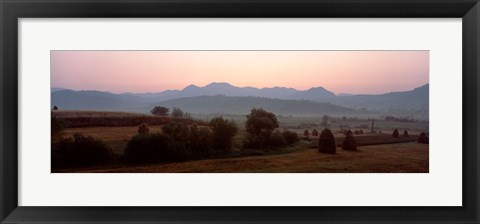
[[395, 133], [348, 132], [405, 134], [143, 129], [326, 142], [423, 138], [306, 134], [349, 143]]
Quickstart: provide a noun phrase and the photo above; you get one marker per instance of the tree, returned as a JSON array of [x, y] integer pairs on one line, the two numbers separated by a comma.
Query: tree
[[223, 132], [200, 140], [260, 125], [177, 112], [178, 131], [290, 137], [55, 108], [158, 110], [314, 132]]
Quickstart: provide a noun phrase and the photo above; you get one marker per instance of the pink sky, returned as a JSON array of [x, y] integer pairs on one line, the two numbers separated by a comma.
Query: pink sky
[[358, 72]]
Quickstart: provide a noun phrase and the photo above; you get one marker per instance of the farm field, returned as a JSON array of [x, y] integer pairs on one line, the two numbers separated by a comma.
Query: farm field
[[377, 152], [117, 137], [409, 157]]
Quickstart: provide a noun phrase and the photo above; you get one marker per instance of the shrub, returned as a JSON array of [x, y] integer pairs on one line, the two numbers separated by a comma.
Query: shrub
[[55, 108], [290, 137], [249, 141], [423, 138], [178, 131], [326, 142], [314, 132], [277, 139], [143, 129], [156, 147], [349, 143], [260, 125], [79, 150], [395, 133], [223, 132], [177, 112], [200, 139], [405, 133], [158, 110]]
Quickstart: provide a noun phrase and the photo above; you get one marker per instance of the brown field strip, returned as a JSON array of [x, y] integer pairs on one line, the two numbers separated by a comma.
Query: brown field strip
[[391, 158]]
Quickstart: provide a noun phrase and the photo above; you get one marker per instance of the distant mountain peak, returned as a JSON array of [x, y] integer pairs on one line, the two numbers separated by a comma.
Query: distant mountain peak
[[219, 84], [191, 86]]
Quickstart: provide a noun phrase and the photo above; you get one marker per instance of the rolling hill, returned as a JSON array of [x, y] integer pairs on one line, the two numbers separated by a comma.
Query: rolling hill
[[226, 98], [242, 105]]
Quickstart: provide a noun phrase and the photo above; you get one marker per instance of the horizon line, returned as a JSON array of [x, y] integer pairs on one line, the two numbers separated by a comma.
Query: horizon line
[[106, 91]]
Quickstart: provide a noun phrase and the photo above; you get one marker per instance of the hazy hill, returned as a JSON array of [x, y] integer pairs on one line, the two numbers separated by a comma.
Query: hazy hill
[[415, 99], [222, 88], [96, 100], [243, 105], [284, 100]]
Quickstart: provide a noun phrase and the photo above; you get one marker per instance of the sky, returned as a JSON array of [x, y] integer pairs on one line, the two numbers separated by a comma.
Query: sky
[[355, 72]]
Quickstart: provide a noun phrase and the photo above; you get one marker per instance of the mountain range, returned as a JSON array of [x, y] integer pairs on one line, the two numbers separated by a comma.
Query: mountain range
[[226, 98]]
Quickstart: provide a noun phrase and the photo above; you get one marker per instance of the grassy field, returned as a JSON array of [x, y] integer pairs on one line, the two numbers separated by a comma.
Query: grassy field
[[335, 123], [75, 119], [389, 158], [378, 152]]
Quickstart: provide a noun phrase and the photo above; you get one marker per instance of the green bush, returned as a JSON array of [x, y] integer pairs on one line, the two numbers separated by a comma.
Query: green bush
[[177, 112], [200, 139], [223, 132], [277, 139], [79, 150], [178, 131], [249, 141], [290, 137], [155, 147]]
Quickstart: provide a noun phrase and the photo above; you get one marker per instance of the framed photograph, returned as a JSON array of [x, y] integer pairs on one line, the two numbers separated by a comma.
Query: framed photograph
[[247, 112]]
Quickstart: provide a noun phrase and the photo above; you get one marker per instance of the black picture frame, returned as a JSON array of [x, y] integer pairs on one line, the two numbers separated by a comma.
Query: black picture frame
[[12, 10]]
